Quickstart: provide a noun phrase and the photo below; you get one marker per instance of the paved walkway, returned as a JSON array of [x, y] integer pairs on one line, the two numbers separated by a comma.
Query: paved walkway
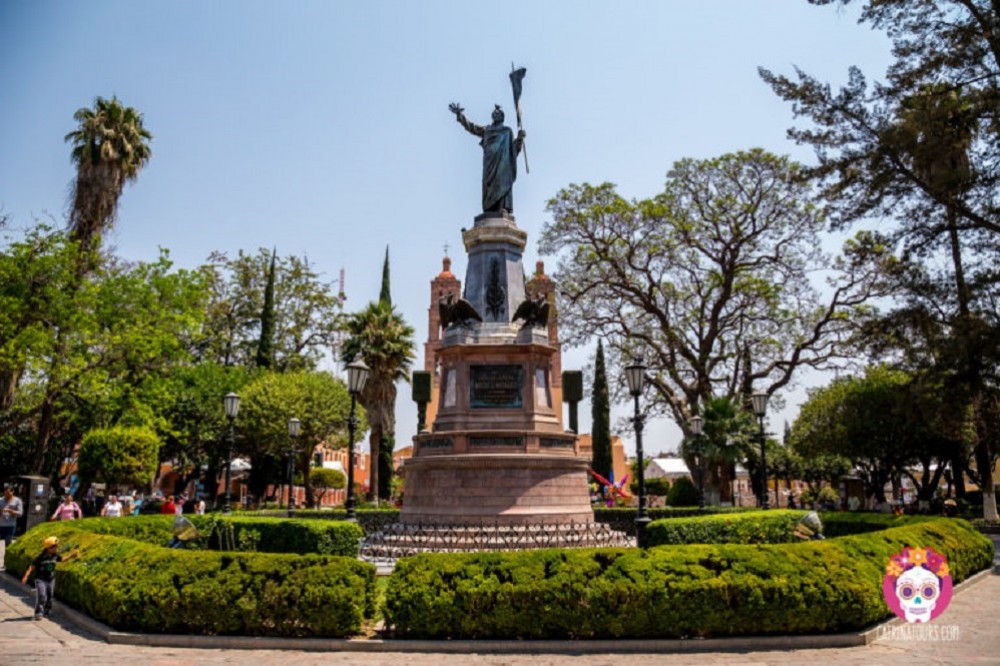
[[968, 633]]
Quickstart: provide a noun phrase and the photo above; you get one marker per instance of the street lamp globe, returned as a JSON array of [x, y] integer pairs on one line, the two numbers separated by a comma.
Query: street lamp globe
[[635, 375], [696, 425], [759, 400], [232, 405], [294, 426], [357, 377]]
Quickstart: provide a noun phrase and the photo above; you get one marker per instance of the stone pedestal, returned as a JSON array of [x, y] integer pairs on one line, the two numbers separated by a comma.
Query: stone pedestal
[[496, 462]]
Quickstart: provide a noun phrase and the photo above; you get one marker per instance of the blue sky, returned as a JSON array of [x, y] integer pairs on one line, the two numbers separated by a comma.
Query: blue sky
[[322, 128]]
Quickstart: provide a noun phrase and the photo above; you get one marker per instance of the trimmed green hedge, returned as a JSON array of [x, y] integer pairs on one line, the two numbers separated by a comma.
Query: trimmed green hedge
[[135, 586], [667, 592], [752, 527], [623, 519], [371, 520], [845, 523], [260, 535]]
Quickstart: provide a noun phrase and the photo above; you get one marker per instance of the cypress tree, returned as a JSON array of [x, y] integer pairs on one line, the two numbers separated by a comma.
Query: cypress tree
[[385, 298], [388, 441], [600, 410], [265, 346]]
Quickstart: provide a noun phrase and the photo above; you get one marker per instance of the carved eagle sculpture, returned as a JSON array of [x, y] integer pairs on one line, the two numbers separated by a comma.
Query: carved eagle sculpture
[[534, 312], [456, 312]]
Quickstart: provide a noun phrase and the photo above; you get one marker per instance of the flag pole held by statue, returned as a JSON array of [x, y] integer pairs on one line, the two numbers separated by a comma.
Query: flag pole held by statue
[[516, 76]]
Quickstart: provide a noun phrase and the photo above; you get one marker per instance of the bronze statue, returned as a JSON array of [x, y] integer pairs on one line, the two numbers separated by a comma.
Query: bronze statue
[[454, 312], [534, 312], [500, 151]]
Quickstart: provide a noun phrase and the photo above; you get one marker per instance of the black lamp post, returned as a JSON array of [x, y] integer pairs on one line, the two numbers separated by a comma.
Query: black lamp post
[[635, 375], [293, 434], [232, 405], [760, 409], [696, 426], [357, 376]]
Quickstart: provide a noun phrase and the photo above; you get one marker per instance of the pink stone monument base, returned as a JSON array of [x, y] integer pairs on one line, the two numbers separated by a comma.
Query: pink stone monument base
[[512, 489]]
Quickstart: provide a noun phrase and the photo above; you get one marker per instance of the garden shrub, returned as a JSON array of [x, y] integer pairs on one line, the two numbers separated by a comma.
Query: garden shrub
[[659, 486], [370, 520], [264, 535], [683, 493], [622, 519], [776, 526], [136, 586], [844, 523], [667, 592]]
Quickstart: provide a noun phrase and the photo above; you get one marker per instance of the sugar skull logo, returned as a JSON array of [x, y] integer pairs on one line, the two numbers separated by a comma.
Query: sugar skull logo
[[917, 585]]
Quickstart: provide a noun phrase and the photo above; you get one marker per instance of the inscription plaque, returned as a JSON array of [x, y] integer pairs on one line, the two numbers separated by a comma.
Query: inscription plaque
[[495, 386]]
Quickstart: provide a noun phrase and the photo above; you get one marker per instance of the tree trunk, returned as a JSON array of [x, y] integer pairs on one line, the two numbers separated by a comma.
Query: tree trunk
[[984, 463], [375, 446], [304, 461]]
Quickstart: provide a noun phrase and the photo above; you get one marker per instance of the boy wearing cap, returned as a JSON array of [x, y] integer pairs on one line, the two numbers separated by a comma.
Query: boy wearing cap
[[44, 567]]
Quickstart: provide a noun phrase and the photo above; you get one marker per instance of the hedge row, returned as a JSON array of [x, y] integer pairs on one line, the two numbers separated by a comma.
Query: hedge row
[[135, 586], [666, 592], [775, 526], [621, 519], [370, 520], [845, 523], [242, 533]]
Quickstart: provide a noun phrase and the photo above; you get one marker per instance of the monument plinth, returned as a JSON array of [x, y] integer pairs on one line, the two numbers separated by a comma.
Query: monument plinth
[[496, 469]]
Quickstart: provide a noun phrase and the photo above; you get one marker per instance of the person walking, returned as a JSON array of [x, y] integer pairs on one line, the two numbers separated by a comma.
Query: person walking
[[112, 508], [11, 509], [44, 568], [68, 510]]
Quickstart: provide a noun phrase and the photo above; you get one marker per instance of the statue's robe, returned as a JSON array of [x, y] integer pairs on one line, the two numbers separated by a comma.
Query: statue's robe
[[499, 168]]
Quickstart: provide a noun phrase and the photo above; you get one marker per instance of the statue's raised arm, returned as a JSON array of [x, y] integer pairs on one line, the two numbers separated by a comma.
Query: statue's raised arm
[[472, 127]]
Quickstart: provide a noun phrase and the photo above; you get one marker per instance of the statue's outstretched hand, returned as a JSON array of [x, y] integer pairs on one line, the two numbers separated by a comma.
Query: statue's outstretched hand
[[521, 134], [455, 108]]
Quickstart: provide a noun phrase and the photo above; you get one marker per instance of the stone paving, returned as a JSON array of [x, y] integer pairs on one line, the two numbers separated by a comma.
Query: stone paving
[[967, 633]]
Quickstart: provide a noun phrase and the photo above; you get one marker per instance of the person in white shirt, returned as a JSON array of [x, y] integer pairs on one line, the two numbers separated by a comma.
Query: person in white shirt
[[112, 508]]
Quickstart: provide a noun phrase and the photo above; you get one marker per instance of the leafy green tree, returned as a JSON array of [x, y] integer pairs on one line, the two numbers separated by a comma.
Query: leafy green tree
[[920, 150], [865, 419], [320, 402], [728, 433], [683, 492], [385, 294], [386, 470], [307, 311], [190, 418], [322, 480], [119, 456], [36, 271], [380, 336], [110, 147], [719, 261], [658, 486], [600, 410], [109, 334], [265, 346]]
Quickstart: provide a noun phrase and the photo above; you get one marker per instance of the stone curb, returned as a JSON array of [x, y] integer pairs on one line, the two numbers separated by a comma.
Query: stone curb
[[648, 646]]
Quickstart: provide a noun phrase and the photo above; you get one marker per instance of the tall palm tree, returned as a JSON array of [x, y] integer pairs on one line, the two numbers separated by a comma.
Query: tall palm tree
[[380, 336], [110, 146], [723, 444]]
